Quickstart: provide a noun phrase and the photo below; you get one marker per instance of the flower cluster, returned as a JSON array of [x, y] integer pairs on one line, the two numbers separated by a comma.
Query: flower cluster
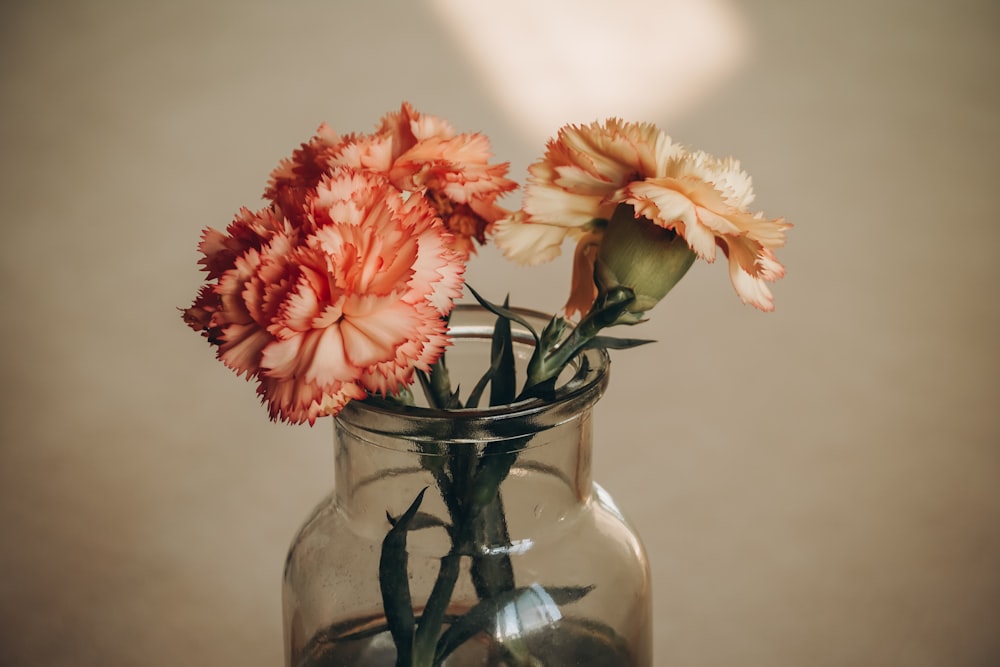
[[341, 286]]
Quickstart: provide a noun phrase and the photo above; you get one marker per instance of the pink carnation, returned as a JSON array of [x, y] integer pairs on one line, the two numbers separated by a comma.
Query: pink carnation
[[348, 301], [422, 153], [293, 179]]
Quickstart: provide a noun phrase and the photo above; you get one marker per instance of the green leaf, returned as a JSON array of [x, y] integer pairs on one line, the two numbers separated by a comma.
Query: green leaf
[[483, 616], [437, 386], [501, 376], [477, 391], [503, 387], [403, 397], [419, 521], [394, 583], [503, 312], [553, 332], [611, 343], [609, 307]]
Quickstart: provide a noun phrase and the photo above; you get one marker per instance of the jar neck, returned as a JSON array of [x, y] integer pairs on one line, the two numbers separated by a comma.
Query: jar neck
[[546, 476], [524, 467]]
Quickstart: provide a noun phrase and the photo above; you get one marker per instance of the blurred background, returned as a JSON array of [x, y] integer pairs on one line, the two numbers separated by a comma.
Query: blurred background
[[816, 486]]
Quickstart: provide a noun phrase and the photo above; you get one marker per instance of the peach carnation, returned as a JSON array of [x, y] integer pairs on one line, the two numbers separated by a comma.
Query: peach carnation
[[296, 176], [422, 153], [346, 303], [587, 171]]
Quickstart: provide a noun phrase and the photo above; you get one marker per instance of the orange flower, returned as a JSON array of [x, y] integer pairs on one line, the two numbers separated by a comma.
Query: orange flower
[[348, 302], [587, 171], [248, 232], [422, 153], [296, 176]]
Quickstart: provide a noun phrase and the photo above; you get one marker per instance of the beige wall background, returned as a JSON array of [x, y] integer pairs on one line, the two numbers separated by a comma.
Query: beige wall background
[[817, 486]]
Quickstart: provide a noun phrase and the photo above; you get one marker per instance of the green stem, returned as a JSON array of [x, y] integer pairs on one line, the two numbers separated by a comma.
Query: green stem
[[492, 573], [550, 357]]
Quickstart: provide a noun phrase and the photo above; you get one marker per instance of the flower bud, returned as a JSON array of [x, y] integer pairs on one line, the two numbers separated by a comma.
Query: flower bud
[[642, 256]]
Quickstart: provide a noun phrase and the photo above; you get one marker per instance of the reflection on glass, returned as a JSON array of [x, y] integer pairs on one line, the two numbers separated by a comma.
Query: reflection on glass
[[534, 608]]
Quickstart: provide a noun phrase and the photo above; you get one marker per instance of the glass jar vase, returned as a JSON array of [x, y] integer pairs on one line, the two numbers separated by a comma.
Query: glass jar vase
[[470, 537]]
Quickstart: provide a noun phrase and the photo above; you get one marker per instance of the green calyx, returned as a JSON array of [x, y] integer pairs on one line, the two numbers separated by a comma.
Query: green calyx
[[641, 256]]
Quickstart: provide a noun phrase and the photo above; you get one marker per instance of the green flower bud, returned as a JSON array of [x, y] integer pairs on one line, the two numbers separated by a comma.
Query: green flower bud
[[642, 256]]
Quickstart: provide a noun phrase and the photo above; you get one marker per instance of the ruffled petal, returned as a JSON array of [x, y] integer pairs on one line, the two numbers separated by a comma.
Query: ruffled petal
[[528, 242], [583, 289], [753, 291], [348, 297], [589, 170]]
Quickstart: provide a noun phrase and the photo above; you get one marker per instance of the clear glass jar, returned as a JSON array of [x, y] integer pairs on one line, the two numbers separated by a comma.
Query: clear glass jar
[[550, 570]]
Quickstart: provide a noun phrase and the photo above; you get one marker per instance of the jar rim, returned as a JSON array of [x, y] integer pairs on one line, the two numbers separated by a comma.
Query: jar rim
[[576, 393]]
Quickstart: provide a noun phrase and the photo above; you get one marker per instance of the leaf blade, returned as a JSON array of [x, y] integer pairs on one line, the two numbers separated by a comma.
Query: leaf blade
[[394, 584], [612, 343]]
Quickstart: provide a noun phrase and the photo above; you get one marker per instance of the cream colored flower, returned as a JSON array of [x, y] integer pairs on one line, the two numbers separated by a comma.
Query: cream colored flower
[[587, 171]]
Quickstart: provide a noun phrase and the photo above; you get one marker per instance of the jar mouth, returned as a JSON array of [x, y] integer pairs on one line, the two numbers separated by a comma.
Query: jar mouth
[[581, 385]]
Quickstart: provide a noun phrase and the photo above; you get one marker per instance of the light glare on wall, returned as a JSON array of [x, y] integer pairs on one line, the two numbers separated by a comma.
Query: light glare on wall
[[552, 62]]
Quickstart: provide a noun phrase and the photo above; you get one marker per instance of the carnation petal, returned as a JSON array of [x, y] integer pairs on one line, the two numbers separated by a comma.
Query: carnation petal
[[528, 243], [753, 291], [555, 206], [282, 358], [241, 347], [671, 209], [583, 289], [374, 328], [330, 362]]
